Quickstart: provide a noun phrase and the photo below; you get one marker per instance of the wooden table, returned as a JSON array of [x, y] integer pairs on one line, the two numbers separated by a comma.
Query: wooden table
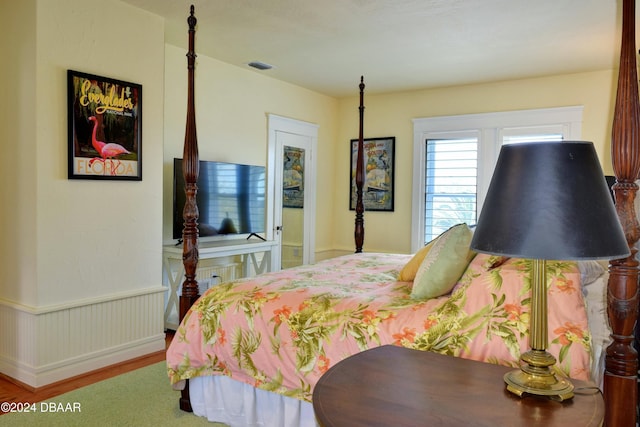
[[393, 386]]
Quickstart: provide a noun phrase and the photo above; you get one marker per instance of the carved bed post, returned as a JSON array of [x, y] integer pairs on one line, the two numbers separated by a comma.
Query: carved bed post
[[190, 167], [621, 369], [359, 228]]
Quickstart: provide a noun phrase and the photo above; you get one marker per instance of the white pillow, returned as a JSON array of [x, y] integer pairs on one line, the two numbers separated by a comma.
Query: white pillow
[[590, 270]]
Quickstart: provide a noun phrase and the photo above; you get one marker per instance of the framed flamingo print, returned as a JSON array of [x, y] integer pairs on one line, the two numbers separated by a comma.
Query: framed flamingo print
[[105, 128]]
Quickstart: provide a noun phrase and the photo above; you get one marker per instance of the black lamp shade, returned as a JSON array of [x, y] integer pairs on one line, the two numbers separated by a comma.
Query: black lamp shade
[[549, 200]]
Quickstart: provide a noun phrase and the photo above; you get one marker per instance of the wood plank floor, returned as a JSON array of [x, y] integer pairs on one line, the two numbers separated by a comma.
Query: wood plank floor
[[11, 391]]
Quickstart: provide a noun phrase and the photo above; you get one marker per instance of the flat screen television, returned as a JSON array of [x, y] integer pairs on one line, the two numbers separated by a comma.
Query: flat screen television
[[230, 199]]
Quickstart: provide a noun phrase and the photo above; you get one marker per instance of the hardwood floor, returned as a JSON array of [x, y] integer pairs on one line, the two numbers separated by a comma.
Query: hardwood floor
[[10, 391]]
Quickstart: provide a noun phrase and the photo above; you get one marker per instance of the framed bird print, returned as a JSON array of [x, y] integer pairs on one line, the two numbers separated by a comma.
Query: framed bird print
[[379, 171], [293, 177], [105, 128]]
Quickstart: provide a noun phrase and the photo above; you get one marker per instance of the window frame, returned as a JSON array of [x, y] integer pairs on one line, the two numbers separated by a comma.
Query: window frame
[[490, 129]]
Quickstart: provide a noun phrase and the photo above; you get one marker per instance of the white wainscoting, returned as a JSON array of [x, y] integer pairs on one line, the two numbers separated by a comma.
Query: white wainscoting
[[40, 346]]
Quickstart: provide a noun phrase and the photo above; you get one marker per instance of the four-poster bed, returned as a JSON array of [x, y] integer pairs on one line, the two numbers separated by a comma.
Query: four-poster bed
[[620, 374]]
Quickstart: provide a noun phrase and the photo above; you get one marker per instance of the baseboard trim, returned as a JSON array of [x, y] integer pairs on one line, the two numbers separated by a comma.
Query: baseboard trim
[[32, 378], [104, 372]]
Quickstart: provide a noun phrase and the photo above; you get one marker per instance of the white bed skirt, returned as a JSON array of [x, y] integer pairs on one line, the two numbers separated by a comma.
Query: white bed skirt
[[222, 399]]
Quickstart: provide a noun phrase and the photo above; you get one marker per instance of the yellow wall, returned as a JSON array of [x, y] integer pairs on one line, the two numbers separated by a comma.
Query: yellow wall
[[18, 141], [75, 253], [82, 225], [391, 115], [231, 128], [232, 104], [62, 237]]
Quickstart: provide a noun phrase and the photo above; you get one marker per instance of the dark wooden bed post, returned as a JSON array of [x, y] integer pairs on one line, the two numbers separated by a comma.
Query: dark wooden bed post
[[359, 228], [190, 167], [621, 366]]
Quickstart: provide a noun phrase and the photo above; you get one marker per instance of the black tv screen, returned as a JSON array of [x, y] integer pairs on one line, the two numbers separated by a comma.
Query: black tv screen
[[230, 199]]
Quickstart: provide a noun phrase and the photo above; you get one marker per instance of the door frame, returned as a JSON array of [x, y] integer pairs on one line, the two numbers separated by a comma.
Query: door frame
[[274, 184]]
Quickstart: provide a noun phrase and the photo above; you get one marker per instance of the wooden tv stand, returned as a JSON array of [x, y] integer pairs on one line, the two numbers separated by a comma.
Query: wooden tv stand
[[173, 268]]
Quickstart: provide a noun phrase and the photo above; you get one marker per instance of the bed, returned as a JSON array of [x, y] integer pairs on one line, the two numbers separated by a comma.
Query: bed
[[249, 352]]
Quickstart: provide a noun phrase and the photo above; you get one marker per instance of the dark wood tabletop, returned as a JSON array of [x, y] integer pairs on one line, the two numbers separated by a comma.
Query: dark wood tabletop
[[396, 386]]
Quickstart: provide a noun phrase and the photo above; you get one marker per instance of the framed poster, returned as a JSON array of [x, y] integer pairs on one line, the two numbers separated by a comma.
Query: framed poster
[[293, 178], [379, 159], [105, 128]]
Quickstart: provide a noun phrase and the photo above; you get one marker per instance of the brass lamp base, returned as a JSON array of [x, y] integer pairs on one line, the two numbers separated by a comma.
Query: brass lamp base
[[535, 377]]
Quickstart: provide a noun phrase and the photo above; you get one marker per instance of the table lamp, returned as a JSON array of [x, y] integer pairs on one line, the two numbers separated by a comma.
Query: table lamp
[[547, 201]]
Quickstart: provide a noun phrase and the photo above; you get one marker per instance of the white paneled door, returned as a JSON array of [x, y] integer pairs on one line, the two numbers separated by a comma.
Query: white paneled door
[[292, 193]]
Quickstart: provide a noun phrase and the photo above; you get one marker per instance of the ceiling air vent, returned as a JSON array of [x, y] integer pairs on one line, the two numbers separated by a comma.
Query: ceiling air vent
[[260, 65]]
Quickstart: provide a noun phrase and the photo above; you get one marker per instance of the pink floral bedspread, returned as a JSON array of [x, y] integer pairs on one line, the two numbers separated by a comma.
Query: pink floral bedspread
[[281, 331]]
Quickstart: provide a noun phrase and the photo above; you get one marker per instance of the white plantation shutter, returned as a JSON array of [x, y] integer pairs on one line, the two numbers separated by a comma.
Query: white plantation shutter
[[515, 139], [451, 184]]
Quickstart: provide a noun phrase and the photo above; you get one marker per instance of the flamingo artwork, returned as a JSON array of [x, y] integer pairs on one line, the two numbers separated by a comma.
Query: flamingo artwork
[[107, 151]]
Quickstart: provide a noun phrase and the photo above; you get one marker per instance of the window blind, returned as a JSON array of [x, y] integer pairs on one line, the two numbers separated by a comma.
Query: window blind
[[451, 184]]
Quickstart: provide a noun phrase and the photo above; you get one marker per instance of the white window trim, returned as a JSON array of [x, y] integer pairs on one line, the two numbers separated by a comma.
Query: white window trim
[[490, 127]]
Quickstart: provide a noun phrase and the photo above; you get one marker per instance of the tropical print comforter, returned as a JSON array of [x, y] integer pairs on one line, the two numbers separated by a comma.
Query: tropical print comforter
[[281, 331]]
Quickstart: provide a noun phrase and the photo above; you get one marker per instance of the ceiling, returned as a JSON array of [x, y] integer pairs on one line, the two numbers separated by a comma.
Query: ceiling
[[399, 45]]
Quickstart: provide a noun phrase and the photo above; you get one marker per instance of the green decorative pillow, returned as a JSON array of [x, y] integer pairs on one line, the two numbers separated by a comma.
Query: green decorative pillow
[[444, 264]]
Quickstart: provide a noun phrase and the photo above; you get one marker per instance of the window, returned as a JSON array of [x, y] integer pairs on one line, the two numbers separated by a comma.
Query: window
[[450, 188], [454, 158]]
